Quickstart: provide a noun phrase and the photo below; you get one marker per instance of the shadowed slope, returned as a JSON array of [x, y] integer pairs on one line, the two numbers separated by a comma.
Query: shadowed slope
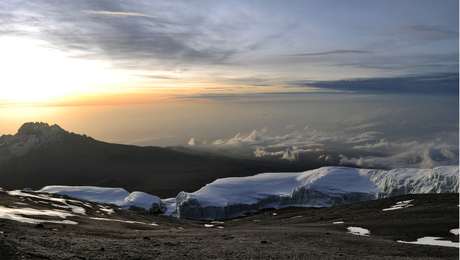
[[40, 155]]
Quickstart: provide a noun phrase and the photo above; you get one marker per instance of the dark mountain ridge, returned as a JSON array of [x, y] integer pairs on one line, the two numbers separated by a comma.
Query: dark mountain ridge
[[39, 155]]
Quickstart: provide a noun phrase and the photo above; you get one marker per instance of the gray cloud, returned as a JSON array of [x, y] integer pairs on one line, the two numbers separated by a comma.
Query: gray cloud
[[137, 35], [157, 77], [411, 154], [415, 31], [440, 83], [214, 97], [364, 126], [327, 53], [390, 60]]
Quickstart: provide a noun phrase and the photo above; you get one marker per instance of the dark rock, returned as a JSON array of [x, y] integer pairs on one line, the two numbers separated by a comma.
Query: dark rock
[[39, 226]]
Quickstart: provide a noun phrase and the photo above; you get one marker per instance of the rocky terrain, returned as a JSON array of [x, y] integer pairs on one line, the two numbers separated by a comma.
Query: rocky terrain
[[87, 230]]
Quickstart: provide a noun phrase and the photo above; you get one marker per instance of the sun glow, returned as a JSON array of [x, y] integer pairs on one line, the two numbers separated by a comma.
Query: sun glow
[[34, 73]]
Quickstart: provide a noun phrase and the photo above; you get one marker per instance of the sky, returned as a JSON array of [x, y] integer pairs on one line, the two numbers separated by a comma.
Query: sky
[[356, 83]]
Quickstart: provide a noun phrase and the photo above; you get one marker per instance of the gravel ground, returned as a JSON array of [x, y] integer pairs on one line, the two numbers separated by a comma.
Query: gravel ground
[[290, 233]]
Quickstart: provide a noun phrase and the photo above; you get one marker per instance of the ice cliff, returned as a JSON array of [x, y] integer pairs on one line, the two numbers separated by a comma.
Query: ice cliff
[[327, 186]]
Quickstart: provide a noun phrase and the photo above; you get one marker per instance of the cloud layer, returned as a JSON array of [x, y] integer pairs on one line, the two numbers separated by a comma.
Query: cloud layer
[[399, 132], [379, 154]]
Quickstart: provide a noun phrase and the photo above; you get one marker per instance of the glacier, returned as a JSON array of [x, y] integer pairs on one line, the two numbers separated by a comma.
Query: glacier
[[119, 197], [236, 196], [323, 187]]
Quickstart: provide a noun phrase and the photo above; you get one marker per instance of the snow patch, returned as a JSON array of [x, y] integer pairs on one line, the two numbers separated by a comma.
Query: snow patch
[[432, 241], [18, 215], [126, 221], [107, 210], [65, 204], [359, 231], [400, 205]]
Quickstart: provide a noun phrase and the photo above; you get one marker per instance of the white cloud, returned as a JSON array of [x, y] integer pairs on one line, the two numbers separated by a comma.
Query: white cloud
[[360, 149], [385, 145], [260, 140], [260, 152], [326, 158], [362, 137], [409, 154], [290, 146], [350, 162], [191, 142], [448, 154], [290, 154], [427, 161], [363, 126], [219, 142], [305, 139]]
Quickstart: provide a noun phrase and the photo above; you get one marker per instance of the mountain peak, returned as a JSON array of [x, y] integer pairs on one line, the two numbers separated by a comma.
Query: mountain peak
[[38, 128], [30, 136]]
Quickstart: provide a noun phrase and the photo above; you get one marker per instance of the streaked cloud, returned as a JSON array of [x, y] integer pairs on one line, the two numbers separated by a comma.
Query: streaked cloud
[[433, 83], [414, 31], [117, 14], [364, 126], [327, 53]]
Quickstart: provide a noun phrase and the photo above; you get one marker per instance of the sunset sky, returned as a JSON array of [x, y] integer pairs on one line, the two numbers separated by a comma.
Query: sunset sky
[[376, 79]]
